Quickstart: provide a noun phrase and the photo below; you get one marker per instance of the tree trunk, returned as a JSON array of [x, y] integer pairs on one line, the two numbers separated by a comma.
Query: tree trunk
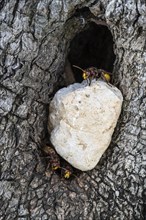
[[35, 41]]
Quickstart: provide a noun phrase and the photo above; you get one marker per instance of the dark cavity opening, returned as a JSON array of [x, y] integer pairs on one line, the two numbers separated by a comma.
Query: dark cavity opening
[[92, 47]]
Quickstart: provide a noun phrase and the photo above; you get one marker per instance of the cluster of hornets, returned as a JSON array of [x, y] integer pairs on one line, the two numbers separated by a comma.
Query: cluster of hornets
[[54, 160]]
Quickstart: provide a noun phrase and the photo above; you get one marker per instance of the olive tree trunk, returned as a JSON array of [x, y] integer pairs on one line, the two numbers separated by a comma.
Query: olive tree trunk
[[35, 40]]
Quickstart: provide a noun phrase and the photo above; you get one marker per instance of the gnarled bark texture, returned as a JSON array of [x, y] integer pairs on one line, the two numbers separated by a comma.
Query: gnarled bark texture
[[35, 37]]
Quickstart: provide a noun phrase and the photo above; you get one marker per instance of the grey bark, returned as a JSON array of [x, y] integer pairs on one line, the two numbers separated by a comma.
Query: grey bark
[[35, 36]]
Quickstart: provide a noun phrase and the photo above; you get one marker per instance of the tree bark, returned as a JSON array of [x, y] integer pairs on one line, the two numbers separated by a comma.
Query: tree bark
[[35, 39]]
